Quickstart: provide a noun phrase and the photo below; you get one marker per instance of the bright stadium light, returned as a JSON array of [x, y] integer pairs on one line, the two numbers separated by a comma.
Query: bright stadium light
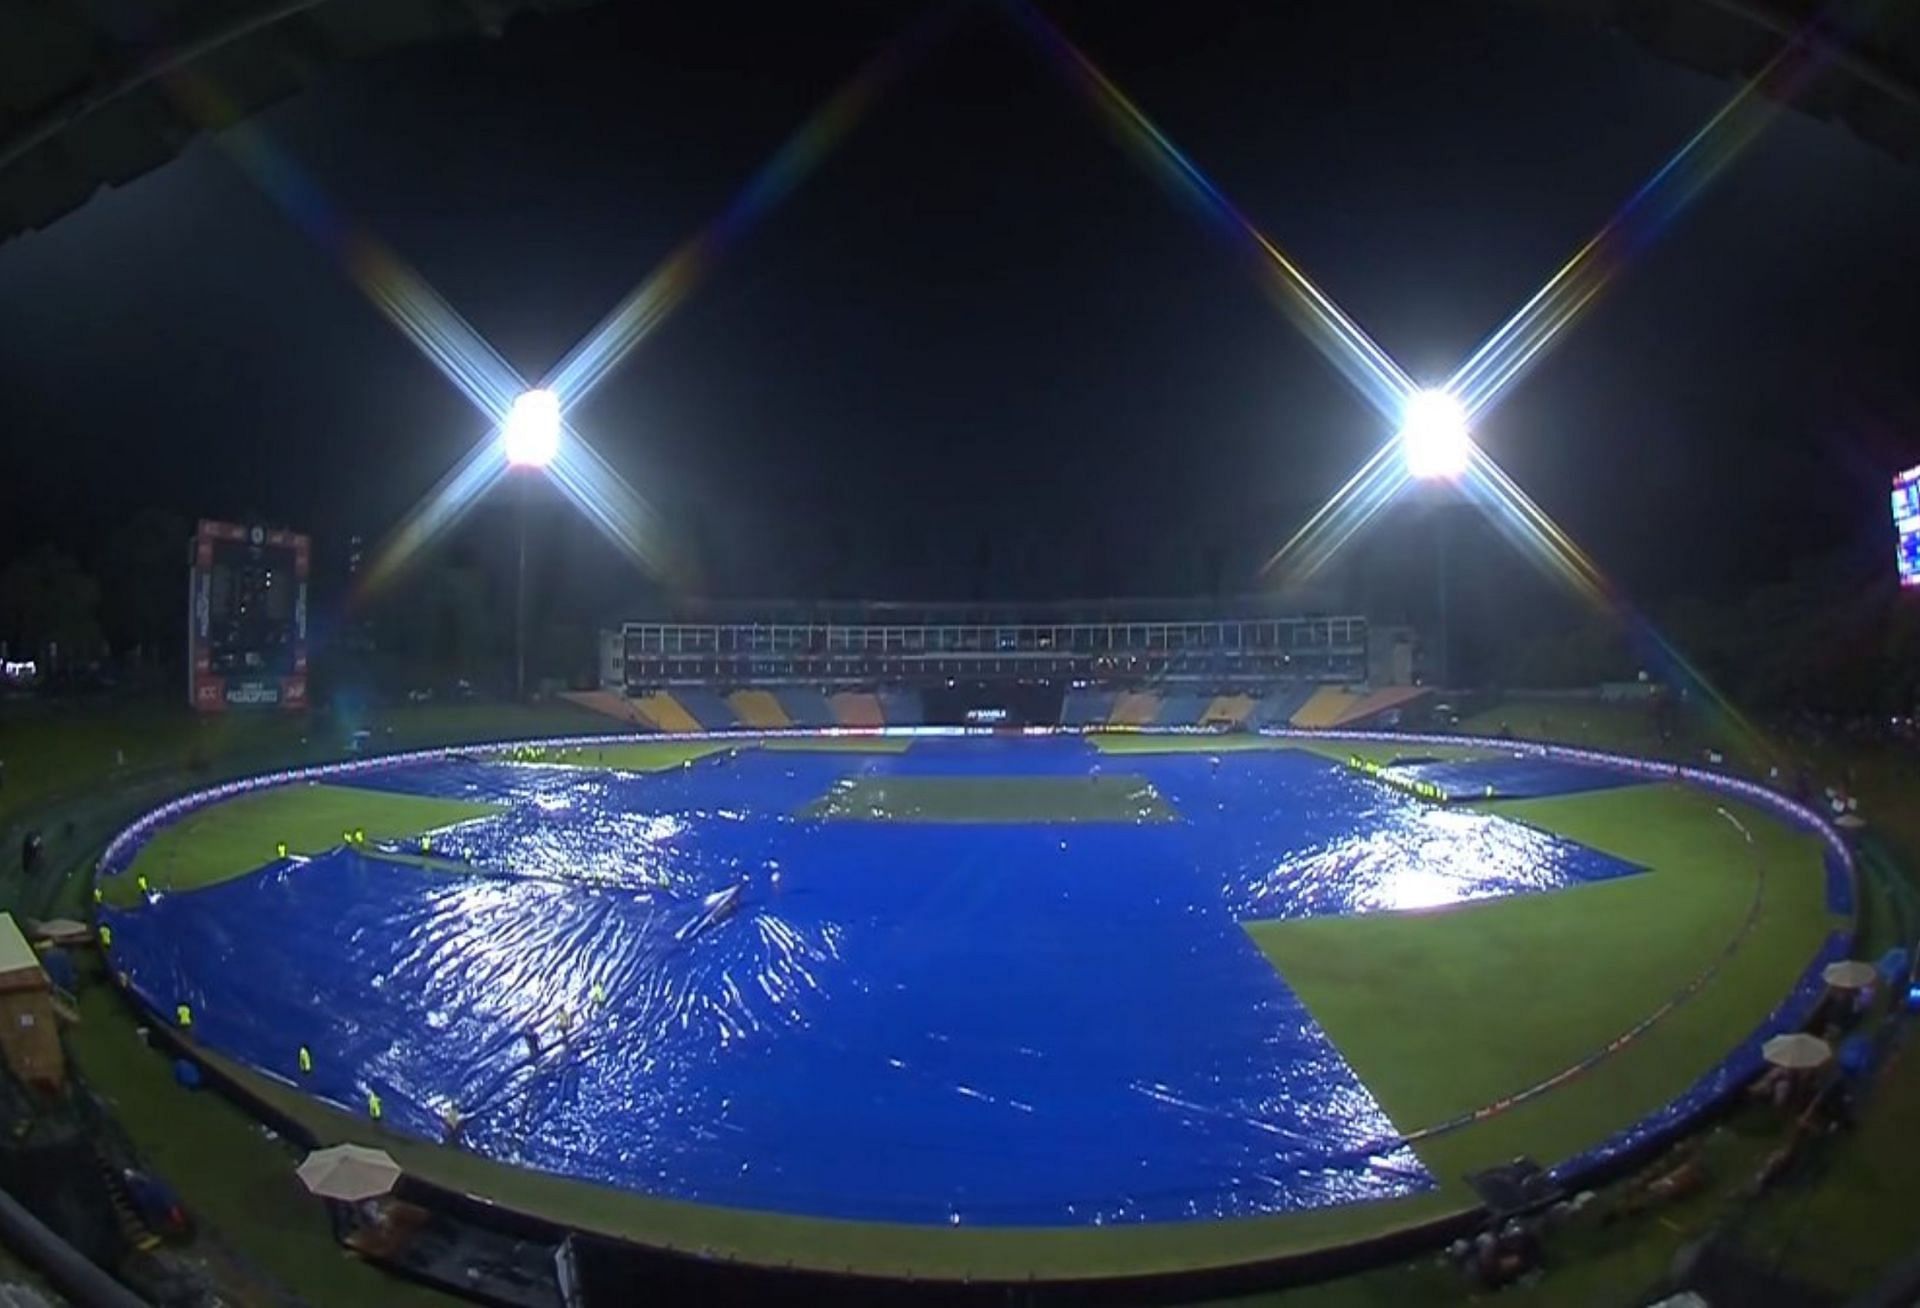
[[1433, 436], [530, 436]]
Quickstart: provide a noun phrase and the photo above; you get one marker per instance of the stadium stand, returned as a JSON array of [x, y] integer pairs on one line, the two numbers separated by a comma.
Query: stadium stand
[[857, 708], [1181, 709], [758, 708], [610, 702], [1087, 707], [1134, 708], [706, 707], [665, 712], [1277, 707], [1226, 711], [1326, 706], [1374, 704], [806, 707], [903, 706]]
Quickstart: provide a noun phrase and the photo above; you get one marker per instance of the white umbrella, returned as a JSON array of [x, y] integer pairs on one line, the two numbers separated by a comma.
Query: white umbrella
[[1850, 974], [1796, 1052], [62, 931], [350, 1172]]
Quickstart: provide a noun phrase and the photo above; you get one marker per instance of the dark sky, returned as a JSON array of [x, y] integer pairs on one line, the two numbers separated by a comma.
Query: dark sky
[[981, 332]]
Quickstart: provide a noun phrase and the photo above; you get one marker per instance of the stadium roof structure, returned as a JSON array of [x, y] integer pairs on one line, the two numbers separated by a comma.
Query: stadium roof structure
[[84, 100]]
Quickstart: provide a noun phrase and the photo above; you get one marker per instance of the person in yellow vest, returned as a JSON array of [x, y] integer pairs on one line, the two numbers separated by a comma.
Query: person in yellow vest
[[141, 881], [106, 937], [373, 1105], [306, 1061], [599, 994], [280, 850], [183, 1015]]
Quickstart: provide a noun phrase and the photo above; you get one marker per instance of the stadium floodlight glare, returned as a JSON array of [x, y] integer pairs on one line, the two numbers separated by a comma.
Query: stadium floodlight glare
[[530, 436], [1433, 436]]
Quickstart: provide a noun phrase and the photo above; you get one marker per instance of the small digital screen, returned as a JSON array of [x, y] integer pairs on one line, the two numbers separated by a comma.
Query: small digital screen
[[1906, 525], [250, 624]]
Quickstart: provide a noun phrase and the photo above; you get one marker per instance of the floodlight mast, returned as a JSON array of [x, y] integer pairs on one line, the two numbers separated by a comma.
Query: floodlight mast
[[530, 439]]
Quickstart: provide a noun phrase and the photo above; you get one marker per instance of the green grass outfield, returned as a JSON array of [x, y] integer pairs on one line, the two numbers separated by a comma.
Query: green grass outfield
[[1438, 1012], [236, 836]]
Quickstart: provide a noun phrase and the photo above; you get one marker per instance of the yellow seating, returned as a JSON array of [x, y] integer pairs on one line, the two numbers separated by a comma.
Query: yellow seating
[[665, 712], [1325, 707], [1231, 710], [855, 709], [1134, 708], [758, 709]]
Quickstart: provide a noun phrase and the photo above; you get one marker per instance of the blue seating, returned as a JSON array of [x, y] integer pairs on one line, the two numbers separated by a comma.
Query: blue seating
[[806, 707], [1087, 707], [903, 706]]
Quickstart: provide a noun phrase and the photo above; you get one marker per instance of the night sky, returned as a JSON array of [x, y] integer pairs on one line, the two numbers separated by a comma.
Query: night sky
[[981, 348]]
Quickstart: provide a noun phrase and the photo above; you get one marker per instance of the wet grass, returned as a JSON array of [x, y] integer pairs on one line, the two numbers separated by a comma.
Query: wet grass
[[232, 1175], [1442, 1012], [236, 836], [239, 1181]]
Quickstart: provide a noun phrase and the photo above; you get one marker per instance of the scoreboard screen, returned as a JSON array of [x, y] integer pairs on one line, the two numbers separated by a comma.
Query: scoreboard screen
[[247, 618], [1906, 525]]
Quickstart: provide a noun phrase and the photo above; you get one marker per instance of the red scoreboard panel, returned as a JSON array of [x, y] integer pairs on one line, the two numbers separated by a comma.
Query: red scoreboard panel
[[247, 618]]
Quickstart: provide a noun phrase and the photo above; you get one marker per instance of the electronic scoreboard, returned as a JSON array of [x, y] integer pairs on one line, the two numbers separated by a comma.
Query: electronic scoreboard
[[1906, 525], [247, 618]]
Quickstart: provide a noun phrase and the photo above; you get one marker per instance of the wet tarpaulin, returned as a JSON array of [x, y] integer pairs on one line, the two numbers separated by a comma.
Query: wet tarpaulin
[[1509, 777], [676, 984]]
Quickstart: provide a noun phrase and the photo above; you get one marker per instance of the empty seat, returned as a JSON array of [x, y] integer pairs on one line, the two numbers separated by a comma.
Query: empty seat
[[854, 708], [806, 707], [758, 709], [1134, 708], [707, 707], [665, 712], [1226, 711], [1324, 707]]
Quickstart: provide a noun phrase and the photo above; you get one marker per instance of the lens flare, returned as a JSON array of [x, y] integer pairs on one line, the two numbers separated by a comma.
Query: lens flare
[[530, 437], [1437, 441], [1492, 369], [1364, 496], [1342, 341], [1433, 439], [645, 307]]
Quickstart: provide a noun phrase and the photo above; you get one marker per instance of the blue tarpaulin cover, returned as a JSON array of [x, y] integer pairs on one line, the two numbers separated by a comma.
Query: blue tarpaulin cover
[[672, 983]]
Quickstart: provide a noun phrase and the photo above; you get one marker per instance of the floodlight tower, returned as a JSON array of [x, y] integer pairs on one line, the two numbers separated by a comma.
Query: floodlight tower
[[530, 438]]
